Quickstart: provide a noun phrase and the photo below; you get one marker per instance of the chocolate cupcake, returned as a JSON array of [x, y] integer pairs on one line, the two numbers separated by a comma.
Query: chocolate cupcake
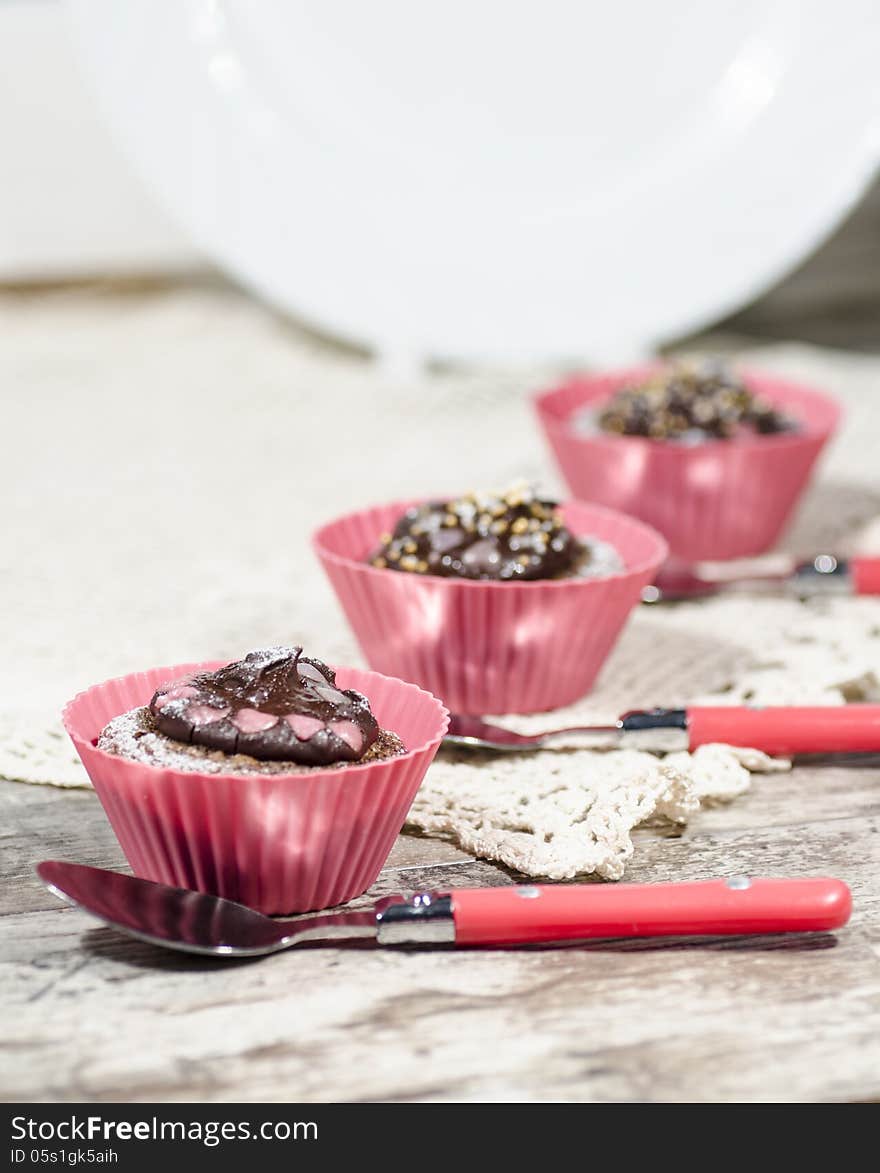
[[274, 712], [690, 403], [716, 462], [510, 536], [511, 623], [274, 781]]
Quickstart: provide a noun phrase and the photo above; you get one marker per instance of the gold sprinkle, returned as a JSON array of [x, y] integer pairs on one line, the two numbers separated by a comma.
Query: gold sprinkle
[[523, 559], [499, 527], [519, 526], [485, 519], [450, 519], [381, 563], [384, 539], [394, 555], [422, 566], [409, 547], [409, 563]]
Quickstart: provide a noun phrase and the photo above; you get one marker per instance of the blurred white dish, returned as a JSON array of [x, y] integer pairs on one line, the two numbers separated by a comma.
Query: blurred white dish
[[70, 205], [496, 181]]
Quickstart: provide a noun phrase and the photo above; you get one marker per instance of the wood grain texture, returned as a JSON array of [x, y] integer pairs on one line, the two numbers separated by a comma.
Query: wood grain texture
[[92, 1015]]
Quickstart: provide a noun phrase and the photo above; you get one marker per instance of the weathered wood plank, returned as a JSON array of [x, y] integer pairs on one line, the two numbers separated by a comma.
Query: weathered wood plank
[[93, 1015], [46, 823]]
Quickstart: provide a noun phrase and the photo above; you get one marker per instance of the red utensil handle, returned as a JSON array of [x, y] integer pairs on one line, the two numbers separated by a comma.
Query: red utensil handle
[[782, 730], [518, 915], [865, 575]]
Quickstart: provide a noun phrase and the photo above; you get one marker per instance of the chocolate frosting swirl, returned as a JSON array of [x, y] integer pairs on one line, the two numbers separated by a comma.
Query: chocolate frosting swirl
[[275, 704], [514, 536]]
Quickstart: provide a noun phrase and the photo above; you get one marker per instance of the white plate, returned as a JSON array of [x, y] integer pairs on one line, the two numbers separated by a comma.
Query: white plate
[[488, 180], [69, 203]]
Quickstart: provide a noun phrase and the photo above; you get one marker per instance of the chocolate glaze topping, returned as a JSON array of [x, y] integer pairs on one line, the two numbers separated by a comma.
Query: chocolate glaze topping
[[688, 401], [509, 536], [275, 704]]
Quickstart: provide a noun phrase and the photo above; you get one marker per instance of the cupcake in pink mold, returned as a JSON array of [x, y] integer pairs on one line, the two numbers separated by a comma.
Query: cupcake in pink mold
[[716, 461], [274, 780], [496, 602]]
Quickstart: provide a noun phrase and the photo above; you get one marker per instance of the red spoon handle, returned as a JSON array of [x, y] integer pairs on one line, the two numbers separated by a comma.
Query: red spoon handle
[[781, 730], [518, 915], [865, 574]]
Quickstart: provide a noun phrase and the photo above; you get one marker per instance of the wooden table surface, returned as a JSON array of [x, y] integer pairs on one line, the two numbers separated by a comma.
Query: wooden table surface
[[90, 1015]]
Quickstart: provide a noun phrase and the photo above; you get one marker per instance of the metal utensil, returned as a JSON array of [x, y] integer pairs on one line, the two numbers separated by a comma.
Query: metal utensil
[[824, 574], [783, 730], [198, 923]]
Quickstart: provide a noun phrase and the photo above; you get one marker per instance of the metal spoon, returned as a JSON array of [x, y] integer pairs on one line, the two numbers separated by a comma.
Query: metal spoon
[[824, 574], [193, 922], [517, 914], [785, 730], [475, 733]]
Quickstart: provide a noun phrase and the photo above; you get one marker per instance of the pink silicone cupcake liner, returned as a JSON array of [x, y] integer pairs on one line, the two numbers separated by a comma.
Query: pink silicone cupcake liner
[[717, 500], [280, 843], [488, 647]]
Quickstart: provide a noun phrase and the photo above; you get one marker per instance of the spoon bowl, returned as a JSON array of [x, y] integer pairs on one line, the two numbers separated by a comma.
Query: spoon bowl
[[192, 922]]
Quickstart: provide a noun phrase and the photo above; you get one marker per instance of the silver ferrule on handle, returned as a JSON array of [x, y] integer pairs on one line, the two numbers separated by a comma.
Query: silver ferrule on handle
[[825, 574], [423, 919], [654, 730]]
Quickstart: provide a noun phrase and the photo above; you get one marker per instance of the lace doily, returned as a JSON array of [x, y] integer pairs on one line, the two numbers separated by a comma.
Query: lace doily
[[560, 814], [174, 452]]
